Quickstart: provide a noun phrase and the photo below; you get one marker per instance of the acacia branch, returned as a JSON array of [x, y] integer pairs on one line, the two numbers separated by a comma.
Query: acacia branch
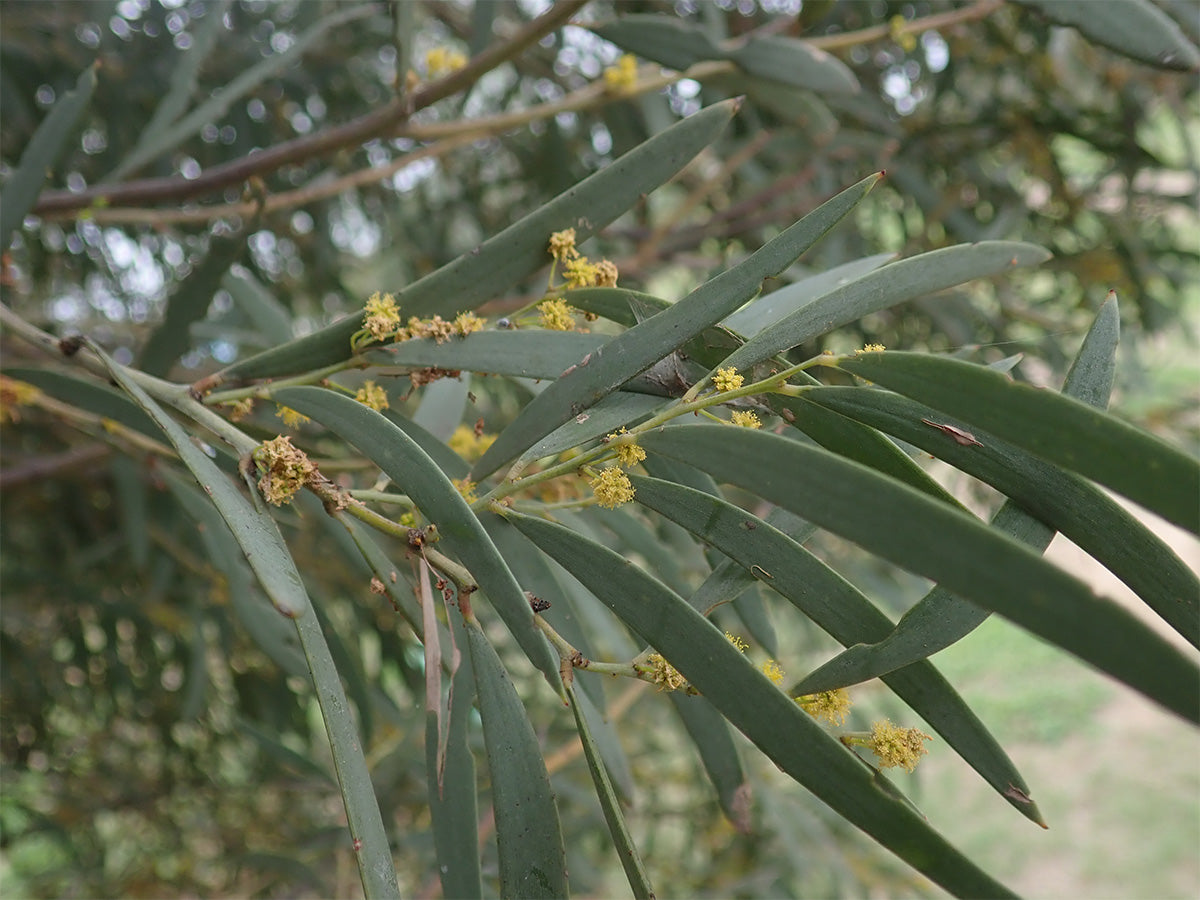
[[372, 125]]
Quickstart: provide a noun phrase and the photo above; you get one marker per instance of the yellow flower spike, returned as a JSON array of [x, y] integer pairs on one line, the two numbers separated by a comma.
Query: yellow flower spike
[[628, 455], [870, 348], [580, 273], [727, 380], [745, 419], [286, 469], [556, 315], [774, 671], [737, 642], [372, 395], [897, 746], [290, 417], [829, 706], [562, 245], [381, 316], [466, 487], [612, 487]]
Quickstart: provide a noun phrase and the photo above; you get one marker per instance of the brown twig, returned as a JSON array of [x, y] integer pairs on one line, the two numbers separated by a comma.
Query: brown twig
[[372, 125]]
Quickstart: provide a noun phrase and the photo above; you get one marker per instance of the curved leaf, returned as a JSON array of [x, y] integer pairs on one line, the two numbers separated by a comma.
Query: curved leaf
[[636, 350], [719, 755], [419, 477], [631, 861], [532, 859], [1059, 429], [839, 608], [953, 548], [883, 288], [1134, 28], [757, 708], [795, 63], [517, 251]]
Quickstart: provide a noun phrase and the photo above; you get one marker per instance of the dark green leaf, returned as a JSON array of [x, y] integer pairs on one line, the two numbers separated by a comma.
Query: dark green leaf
[[1134, 28]]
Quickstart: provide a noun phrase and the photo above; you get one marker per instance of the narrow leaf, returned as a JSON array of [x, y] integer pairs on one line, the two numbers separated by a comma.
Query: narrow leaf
[[1060, 429], [1134, 28], [719, 755], [884, 288], [42, 154], [532, 859], [757, 708], [640, 347], [953, 548], [519, 250], [631, 861], [792, 62], [419, 477]]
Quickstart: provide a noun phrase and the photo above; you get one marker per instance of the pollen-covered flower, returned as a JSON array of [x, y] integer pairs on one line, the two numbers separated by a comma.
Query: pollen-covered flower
[[14, 394], [465, 487], [830, 706], [870, 348], [382, 315], [612, 487], [774, 671], [467, 322], [239, 409], [437, 328], [442, 61], [285, 469], [579, 272], [470, 443], [290, 417], [562, 245], [556, 315], [606, 273], [628, 455], [737, 641], [372, 395], [745, 419], [896, 746], [727, 380], [622, 77], [665, 675]]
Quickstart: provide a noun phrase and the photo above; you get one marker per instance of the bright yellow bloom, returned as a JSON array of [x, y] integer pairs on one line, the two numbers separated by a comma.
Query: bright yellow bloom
[[382, 315], [773, 670], [437, 328], [290, 417], [727, 380], [612, 487], [579, 272], [831, 706], [629, 455], [737, 642], [897, 746], [285, 469], [622, 77], [441, 61], [467, 322], [470, 443], [556, 315], [562, 245], [372, 395], [745, 419], [871, 348]]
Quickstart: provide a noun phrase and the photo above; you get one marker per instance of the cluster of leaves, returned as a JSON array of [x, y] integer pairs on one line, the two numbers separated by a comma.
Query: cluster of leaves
[[437, 483]]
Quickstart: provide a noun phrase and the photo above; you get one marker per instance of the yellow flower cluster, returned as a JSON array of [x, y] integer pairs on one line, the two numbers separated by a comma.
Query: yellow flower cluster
[[612, 487], [737, 642], [381, 320], [466, 487], [562, 245], [285, 469], [576, 269], [239, 409], [745, 419], [556, 315], [622, 78], [372, 395], [382, 315], [871, 348], [897, 746], [727, 380], [628, 455], [774, 671], [665, 675], [470, 443], [442, 61], [830, 706]]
